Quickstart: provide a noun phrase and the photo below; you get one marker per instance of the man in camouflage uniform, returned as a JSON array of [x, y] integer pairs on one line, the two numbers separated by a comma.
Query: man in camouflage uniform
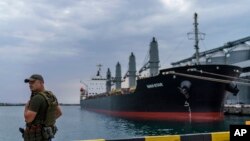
[[41, 111]]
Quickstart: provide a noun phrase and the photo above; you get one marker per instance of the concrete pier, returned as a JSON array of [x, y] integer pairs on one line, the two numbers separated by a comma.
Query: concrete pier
[[237, 109], [215, 136]]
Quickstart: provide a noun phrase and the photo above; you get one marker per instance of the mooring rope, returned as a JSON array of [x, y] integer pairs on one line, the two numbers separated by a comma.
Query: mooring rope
[[207, 78], [221, 75]]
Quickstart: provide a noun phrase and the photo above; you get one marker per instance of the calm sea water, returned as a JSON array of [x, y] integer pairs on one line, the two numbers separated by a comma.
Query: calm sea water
[[76, 124]]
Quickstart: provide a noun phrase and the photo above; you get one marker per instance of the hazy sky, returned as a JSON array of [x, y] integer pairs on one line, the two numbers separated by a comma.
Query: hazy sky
[[64, 40]]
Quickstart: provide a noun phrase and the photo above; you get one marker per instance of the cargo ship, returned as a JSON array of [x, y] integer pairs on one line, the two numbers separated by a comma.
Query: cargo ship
[[184, 93]]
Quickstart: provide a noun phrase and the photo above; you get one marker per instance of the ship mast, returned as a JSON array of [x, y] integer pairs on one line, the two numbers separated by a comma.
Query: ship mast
[[196, 40], [99, 70], [197, 36]]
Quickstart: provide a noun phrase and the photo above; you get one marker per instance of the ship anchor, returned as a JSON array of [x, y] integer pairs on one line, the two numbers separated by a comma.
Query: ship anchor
[[185, 88]]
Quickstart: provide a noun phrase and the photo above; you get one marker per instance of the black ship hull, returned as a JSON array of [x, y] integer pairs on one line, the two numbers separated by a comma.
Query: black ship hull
[[183, 93]]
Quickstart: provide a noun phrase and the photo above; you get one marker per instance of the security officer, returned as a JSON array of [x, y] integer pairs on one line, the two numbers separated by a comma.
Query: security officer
[[41, 111]]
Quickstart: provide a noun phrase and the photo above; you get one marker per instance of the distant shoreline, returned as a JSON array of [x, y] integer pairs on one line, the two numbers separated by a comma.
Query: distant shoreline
[[22, 104]]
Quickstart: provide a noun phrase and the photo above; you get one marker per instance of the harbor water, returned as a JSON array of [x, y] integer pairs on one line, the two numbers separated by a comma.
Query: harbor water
[[77, 124]]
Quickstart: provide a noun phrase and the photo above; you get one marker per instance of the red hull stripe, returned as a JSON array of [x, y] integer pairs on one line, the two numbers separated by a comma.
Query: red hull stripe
[[179, 116]]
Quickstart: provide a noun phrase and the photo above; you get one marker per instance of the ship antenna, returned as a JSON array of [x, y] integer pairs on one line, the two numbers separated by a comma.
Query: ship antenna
[[197, 36]]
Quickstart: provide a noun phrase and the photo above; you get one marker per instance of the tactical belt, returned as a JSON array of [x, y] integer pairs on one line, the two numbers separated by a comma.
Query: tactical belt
[[33, 128]]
